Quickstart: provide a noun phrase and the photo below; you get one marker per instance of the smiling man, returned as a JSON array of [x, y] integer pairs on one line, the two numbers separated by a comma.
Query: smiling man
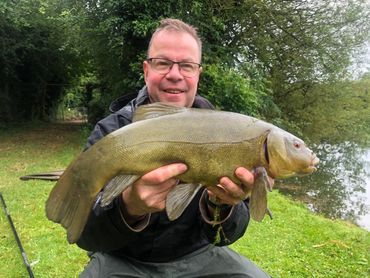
[[134, 237], [175, 84]]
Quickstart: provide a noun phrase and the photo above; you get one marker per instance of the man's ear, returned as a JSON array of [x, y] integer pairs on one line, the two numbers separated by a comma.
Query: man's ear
[[145, 69]]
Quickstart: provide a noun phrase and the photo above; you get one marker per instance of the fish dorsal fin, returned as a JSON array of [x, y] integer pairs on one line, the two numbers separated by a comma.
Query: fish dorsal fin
[[154, 110]]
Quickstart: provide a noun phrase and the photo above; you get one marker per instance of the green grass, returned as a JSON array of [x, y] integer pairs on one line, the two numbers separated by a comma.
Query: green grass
[[296, 243], [24, 150]]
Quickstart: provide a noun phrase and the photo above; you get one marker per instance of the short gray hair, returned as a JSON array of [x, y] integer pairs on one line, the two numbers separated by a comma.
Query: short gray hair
[[172, 24]]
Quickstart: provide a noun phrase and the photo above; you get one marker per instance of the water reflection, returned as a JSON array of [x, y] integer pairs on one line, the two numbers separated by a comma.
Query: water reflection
[[341, 186]]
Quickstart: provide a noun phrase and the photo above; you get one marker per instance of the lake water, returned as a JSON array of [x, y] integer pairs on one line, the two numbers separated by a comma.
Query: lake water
[[341, 186], [364, 220]]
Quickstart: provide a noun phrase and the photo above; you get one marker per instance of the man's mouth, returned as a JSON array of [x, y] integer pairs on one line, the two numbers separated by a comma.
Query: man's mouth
[[173, 91]]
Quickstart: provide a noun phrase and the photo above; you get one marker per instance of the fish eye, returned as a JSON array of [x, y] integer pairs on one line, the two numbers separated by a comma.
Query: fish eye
[[297, 145]]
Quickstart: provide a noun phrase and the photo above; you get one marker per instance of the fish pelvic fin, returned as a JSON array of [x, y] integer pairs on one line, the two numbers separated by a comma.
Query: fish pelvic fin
[[258, 199], [179, 198], [155, 110], [115, 187]]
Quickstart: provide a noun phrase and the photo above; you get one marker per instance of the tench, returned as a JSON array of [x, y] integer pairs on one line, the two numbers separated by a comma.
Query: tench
[[211, 143]]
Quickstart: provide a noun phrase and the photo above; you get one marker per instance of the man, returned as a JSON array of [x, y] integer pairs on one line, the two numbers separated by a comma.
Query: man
[[133, 237]]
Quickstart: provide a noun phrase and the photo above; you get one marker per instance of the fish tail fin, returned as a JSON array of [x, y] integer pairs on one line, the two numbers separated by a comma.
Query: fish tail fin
[[67, 206]]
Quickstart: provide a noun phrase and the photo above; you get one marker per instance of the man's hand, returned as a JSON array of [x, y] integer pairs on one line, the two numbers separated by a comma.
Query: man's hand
[[148, 194], [227, 192]]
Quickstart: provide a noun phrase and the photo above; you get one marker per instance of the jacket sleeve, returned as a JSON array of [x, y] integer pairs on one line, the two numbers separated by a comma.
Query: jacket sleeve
[[105, 229]]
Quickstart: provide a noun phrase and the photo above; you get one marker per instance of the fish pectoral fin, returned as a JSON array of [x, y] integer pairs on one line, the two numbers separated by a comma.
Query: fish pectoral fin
[[258, 199], [116, 186], [179, 198], [155, 110]]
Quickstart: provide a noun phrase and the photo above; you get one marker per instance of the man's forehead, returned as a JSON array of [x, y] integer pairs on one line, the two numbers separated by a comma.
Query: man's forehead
[[163, 35], [171, 32]]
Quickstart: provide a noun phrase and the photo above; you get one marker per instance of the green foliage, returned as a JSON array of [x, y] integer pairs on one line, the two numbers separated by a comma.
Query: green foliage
[[258, 56], [37, 62], [295, 44], [229, 90], [334, 112], [302, 42]]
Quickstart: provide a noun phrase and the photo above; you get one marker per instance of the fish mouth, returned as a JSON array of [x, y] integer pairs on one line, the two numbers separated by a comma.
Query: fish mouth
[[315, 161], [312, 167]]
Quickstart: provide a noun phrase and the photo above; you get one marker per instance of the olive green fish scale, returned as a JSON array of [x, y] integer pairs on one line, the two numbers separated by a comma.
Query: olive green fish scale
[[204, 161], [197, 127]]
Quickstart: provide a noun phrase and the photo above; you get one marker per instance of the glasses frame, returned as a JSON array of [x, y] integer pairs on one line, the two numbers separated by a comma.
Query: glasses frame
[[149, 60]]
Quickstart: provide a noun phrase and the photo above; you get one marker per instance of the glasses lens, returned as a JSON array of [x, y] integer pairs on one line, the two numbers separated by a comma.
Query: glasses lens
[[188, 68], [163, 66]]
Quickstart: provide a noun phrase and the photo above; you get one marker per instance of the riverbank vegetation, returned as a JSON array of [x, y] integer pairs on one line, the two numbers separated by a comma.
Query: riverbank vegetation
[[263, 58], [337, 112], [296, 243]]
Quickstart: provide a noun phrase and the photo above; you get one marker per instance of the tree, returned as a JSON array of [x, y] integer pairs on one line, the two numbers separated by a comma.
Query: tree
[[37, 62], [295, 44], [271, 48], [119, 33]]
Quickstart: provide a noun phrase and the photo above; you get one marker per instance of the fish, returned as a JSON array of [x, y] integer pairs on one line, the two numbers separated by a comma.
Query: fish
[[211, 143]]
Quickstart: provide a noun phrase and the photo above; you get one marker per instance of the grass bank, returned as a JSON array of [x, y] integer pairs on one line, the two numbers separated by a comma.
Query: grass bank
[[296, 243]]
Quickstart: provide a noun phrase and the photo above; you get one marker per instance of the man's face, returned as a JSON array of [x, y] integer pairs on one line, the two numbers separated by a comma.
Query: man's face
[[173, 87]]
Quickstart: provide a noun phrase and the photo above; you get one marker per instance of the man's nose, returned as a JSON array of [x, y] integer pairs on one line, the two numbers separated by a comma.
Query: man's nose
[[175, 72]]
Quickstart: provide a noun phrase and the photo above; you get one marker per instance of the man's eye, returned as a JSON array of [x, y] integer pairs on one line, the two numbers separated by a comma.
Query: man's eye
[[163, 64], [187, 66]]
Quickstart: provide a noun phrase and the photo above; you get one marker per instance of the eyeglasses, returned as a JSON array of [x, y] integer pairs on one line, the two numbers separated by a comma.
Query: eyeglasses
[[163, 66]]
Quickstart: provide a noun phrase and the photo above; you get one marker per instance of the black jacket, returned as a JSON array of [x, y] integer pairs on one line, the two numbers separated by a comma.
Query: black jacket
[[161, 240]]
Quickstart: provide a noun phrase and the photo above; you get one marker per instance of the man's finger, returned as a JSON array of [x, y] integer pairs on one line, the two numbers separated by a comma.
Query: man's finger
[[164, 173], [232, 189], [222, 195], [245, 176]]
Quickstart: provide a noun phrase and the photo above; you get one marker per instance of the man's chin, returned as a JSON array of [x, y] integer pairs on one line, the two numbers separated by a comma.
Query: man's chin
[[175, 104], [178, 100]]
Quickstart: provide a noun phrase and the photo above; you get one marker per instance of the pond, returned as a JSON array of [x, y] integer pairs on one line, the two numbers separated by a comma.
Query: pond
[[341, 186]]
